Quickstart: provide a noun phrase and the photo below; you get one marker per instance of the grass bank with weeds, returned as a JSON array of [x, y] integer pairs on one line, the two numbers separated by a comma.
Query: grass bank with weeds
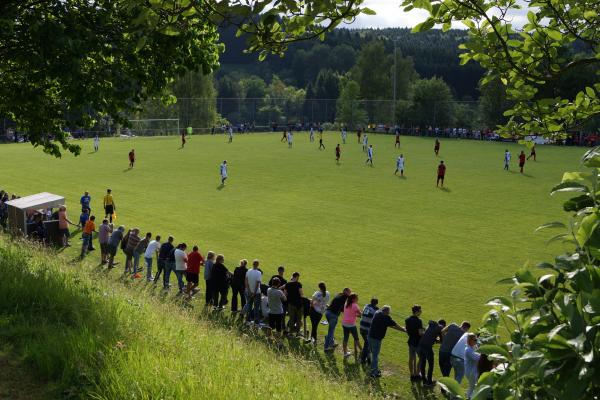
[[91, 338]]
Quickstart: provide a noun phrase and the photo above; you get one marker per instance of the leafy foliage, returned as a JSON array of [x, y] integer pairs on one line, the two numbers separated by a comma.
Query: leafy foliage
[[559, 39]]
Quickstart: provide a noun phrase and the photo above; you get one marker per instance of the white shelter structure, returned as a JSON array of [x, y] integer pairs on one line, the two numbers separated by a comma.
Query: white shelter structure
[[18, 209]]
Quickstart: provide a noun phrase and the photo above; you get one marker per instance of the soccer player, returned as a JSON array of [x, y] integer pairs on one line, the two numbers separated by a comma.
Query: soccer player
[[521, 160], [230, 134], [223, 172], [109, 205], [321, 145], [532, 153], [312, 134], [370, 155], [284, 136], [365, 142], [320, 131], [183, 139], [436, 148], [96, 142], [338, 153], [290, 138], [344, 134], [400, 165], [506, 159], [397, 144], [131, 158], [441, 173], [358, 134]]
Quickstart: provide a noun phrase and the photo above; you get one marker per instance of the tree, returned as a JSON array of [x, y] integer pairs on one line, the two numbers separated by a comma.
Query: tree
[[493, 104], [105, 58], [559, 38], [430, 103], [349, 109]]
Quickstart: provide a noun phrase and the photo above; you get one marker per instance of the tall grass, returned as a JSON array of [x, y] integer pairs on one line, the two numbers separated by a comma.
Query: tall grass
[[103, 341]]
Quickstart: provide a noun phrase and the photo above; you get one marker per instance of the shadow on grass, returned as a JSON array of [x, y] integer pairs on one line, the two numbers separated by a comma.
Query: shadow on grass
[[221, 186], [445, 189]]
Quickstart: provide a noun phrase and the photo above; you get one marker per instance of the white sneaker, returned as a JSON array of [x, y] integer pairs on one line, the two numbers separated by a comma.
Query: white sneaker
[[347, 354]]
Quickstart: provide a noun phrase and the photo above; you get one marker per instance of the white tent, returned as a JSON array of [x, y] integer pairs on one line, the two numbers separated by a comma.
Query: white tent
[[17, 209]]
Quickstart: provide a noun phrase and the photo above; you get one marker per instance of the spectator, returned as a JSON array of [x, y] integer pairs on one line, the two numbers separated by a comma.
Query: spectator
[[208, 265], [132, 241], [351, 312], [237, 286], [365, 324], [471, 362], [113, 244], [63, 226], [293, 293], [450, 336], [458, 357], [192, 274], [88, 230], [84, 217], [425, 350], [318, 304], [151, 250], [170, 267], [104, 231], [180, 264], [275, 297], [280, 272], [414, 329], [163, 258], [219, 277], [332, 314], [381, 321], [85, 202], [140, 249], [253, 294]]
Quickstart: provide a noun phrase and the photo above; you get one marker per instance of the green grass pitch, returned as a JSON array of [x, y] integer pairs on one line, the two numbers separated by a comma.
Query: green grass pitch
[[399, 239]]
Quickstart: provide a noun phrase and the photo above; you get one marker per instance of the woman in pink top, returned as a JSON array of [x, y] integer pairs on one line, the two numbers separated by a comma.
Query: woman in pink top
[[63, 225], [351, 312]]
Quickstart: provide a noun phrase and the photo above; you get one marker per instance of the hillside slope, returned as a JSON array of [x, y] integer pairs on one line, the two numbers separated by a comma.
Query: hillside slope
[[92, 338]]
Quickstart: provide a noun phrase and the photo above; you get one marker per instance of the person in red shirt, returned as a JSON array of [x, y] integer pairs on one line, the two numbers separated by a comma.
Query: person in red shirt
[[397, 144], [440, 174], [192, 273], [131, 158], [521, 160], [436, 148], [338, 153]]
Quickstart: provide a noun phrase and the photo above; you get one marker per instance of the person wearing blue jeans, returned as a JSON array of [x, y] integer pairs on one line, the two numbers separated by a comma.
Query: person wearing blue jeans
[[332, 314], [381, 321], [253, 294], [180, 264]]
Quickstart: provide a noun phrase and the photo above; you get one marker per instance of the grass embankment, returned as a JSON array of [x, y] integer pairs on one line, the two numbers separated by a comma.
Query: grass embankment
[[92, 339]]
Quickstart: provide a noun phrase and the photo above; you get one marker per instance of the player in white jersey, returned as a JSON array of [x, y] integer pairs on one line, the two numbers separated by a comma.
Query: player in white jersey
[[344, 134], [230, 131], [506, 159], [312, 134], [400, 165], [365, 142], [96, 142], [290, 138], [223, 171], [370, 155]]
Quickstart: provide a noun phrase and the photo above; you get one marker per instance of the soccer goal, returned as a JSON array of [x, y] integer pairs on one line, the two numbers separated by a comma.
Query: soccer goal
[[152, 127]]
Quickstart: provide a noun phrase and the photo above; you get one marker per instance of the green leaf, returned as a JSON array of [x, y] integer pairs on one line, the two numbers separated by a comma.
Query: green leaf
[[586, 228], [367, 11], [490, 349], [548, 225], [451, 386], [481, 392], [554, 34], [569, 186], [576, 176]]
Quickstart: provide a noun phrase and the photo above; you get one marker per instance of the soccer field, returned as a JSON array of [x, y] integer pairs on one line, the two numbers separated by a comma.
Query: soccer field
[[400, 239]]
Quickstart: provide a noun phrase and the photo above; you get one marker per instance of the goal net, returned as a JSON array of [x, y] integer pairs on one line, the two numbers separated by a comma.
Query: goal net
[[152, 127]]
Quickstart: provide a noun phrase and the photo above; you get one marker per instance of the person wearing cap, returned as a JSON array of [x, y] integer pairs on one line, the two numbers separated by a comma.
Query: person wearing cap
[[381, 321]]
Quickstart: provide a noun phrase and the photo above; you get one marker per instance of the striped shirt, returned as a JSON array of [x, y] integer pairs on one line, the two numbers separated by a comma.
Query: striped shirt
[[367, 317]]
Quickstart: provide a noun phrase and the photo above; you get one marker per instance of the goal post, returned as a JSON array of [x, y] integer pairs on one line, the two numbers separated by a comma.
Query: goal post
[[153, 127]]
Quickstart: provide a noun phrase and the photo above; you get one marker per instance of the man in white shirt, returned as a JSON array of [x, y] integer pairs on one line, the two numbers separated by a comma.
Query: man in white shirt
[[290, 138], [223, 171], [400, 165], [370, 155], [365, 142], [96, 142], [253, 295], [344, 134], [457, 357], [180, 265], [151, 250], [506, 159], [312, 134], [230, 134]]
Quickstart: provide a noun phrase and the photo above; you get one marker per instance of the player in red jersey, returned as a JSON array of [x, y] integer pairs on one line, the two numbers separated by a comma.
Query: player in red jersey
[[521, 160], [436, 148], [131, 158], [441, 173], [338, 153], [397, 144]]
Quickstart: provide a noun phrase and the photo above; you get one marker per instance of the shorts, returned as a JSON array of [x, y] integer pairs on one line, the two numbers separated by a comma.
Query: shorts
[[192, 277], [276, 322], [412, 350], [112, 250], [350, 330], [441, 177], [64, 232], [109, 210], [521, 164], [104, 248]]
